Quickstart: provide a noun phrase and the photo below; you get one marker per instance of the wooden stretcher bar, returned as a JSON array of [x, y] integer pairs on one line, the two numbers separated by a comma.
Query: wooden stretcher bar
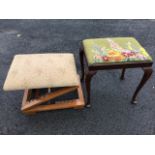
[[35, 105]]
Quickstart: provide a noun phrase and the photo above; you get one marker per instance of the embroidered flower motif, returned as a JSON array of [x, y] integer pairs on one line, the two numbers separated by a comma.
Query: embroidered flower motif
[[114, 45], [112, 53], [128, 54], [140, 56], [105, 58], [117, 53]]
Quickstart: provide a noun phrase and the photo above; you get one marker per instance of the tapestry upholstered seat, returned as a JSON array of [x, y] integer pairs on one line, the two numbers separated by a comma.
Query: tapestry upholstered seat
[[113, 53], [114, 50]]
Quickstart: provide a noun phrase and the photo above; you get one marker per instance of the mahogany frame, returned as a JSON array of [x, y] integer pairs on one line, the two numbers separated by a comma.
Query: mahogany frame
[[90, 70]]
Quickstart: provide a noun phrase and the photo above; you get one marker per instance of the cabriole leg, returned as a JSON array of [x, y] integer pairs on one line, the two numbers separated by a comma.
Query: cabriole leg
[[147, 73]]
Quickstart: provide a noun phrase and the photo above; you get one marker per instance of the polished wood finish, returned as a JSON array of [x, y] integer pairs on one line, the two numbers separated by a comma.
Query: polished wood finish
[[92, 70], [147, 73], [88, 77], [47, 97], [82, 63], [33, 106], [58, 105], [123, 73]]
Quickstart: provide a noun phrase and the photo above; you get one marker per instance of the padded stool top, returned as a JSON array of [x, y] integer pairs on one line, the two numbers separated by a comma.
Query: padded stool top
[[114, 50], [32, 71]]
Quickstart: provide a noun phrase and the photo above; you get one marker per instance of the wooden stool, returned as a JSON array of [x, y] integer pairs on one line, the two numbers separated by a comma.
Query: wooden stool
[[36, 71], [114, 53]]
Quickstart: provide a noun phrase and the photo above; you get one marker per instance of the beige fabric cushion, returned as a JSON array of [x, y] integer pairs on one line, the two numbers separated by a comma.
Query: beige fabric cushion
[[32, 71]]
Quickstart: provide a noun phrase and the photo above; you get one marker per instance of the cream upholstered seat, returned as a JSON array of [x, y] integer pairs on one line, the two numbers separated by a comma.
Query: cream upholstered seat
[[32, 71]]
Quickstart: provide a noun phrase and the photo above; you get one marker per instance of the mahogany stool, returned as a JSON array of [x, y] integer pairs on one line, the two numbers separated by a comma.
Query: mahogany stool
[[113, 53]]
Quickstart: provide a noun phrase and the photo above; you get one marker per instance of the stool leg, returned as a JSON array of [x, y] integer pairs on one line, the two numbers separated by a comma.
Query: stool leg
[[147, 73], [88, 77], [82, 63], [123, 73]]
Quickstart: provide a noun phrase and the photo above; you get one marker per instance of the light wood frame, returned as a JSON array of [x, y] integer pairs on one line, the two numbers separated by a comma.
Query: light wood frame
[[30, 106]]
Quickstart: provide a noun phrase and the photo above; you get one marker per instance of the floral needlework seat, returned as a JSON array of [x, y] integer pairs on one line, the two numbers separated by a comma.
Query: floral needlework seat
[[114, 50]]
